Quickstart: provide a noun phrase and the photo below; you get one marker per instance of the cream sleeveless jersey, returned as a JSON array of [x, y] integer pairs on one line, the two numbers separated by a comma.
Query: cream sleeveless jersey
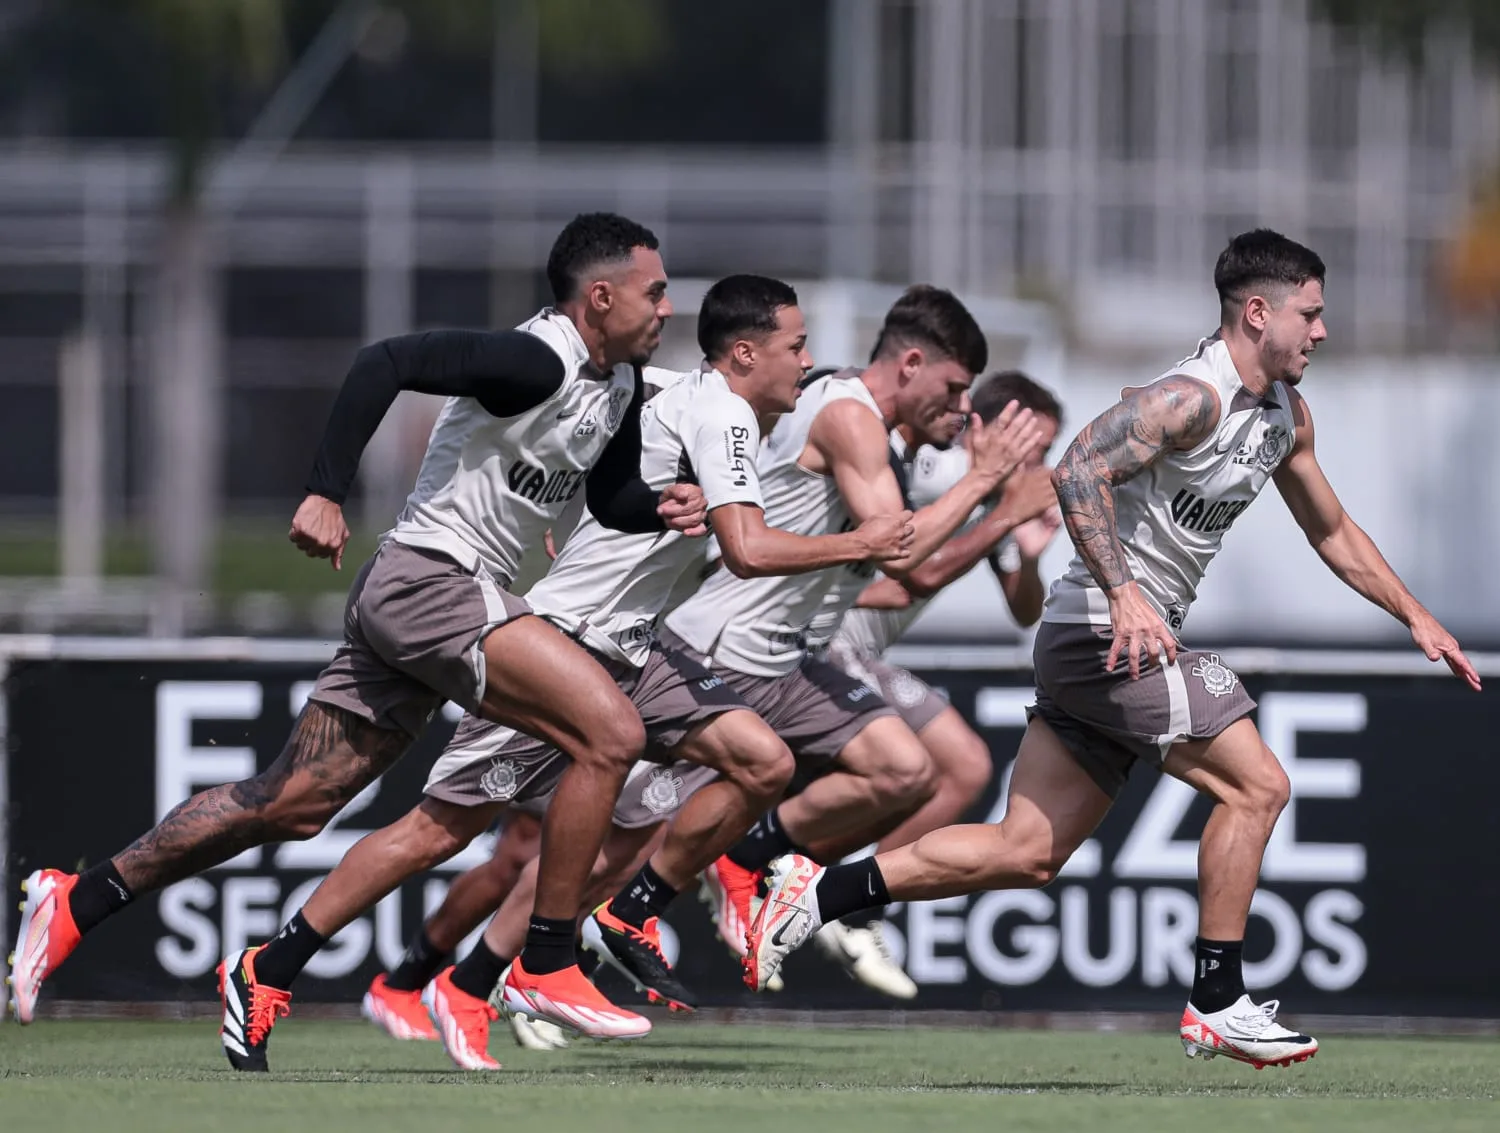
[[607, 587], [1173, 516], [490, 487], [759, 626]]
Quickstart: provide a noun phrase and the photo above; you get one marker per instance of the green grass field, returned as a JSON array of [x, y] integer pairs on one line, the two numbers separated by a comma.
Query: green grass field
[[157, 1076]]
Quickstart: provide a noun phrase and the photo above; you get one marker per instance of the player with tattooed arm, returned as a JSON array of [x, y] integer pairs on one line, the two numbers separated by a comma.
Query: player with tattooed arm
[[1147, 491]]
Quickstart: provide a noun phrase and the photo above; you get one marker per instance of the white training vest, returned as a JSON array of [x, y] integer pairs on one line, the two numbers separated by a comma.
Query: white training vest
[[607, 587], [490, 487], [760, 626], [1173, 516]]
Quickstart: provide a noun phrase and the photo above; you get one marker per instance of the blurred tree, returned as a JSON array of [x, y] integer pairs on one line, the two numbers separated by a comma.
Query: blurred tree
[[191, 67], [1472, 265], [1404, 25]]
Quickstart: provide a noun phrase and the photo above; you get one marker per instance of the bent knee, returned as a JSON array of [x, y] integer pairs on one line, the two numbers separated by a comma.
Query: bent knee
[[292, 816], [1263, 791], [615, 742], [967, 770], [764, 768], [908, 776]]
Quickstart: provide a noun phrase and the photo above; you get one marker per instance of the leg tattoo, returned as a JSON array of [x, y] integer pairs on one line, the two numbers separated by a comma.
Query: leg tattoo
[[331, 756]]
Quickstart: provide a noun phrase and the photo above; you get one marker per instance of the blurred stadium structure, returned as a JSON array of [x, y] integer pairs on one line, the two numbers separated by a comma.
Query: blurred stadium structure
[[1071, 166]]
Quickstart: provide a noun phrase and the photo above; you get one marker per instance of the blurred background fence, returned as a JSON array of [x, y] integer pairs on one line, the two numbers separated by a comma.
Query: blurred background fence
[[205, 209]]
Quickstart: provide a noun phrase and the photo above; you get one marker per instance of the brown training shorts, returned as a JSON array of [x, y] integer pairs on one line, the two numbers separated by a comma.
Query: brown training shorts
[[414, 627], [1108, 721]]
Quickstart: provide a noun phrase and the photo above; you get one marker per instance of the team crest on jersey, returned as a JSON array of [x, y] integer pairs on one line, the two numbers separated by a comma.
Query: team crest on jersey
[[1274, 444], [1273, 448], [500, 781], [662, 795], [615, 411], [1218, 678]]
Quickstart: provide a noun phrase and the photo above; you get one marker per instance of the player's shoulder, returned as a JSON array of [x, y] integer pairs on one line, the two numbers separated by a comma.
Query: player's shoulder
[[558, 332]]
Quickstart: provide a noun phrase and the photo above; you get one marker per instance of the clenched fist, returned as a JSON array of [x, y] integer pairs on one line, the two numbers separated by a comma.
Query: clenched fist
[[887, 537], [319, 531]]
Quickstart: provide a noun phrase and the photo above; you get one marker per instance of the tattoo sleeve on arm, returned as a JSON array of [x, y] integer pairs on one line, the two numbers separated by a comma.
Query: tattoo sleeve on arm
[[1119, 444]]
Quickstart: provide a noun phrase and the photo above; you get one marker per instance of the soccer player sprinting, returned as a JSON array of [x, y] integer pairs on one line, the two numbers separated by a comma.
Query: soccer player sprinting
[[825, 468], [1009, 531], [605, 591], [534, 416], [1147, 491]]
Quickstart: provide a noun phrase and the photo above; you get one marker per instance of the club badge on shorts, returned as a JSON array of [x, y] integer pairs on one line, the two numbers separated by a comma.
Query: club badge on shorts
[[1218, 679]]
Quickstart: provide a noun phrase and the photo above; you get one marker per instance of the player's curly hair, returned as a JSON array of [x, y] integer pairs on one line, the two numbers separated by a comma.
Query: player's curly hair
[[589, 241]]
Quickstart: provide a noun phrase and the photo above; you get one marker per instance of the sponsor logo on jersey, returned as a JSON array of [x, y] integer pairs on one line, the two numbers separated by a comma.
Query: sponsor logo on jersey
[[531, 482], [1195, 513], [737, 452]]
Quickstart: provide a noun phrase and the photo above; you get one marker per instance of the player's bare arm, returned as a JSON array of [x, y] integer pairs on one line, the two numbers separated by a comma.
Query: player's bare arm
[[751, 549], [850, 443], [1350, 553], [1026, 495], [1024, 593], [1174, 414], [884, 594]]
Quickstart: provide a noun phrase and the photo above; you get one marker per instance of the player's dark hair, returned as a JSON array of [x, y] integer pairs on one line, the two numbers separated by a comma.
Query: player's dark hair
[[1263, 259], [994, 392], [589, 241], [737, 307], [933, 319]]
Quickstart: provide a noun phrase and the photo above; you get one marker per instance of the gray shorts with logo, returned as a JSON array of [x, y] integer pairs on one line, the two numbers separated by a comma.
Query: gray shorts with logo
[[652, 793], [816, 709], [414, 628], [1108, 721], [487, 763], [915, 701]]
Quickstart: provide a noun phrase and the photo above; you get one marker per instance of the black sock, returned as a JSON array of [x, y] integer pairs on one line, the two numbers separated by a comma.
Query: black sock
[[762, 844], [549, 946], [645, 897], [1217, 978], [845, 889], [422, 960], [99, 891], [479, 971], [281, 961]]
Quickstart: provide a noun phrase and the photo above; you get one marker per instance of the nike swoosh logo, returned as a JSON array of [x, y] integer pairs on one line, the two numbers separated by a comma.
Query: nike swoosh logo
[[566, 413], [777, 937]]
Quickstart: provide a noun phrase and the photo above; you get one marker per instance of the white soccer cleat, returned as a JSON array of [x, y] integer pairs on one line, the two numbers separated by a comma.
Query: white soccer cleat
[[1246, 1032], [866, 955], [785, 919], [537, 1034]]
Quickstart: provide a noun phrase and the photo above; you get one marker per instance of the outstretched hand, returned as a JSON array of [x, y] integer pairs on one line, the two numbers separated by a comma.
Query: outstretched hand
[[1432, 639]]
